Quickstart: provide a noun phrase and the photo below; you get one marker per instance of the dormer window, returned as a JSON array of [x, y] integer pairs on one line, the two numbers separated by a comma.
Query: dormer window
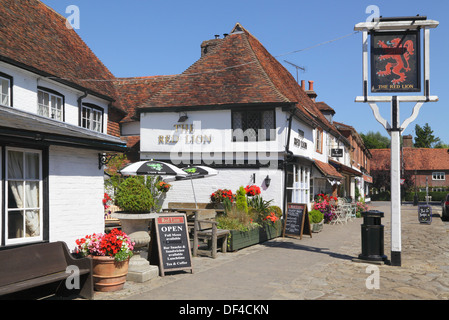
[[92, 117], [50, 104], [5, 90]]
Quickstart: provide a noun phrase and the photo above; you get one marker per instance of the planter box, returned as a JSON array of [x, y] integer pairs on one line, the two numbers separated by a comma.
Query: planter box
[[242, 239], [317, 227]]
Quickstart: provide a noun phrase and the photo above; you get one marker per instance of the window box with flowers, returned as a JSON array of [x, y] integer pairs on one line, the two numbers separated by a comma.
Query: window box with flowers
[[254, 223], [269, 230]]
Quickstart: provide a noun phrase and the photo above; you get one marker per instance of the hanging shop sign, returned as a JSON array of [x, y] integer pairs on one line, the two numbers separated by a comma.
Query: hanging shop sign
[[395, 61], [337, 153]]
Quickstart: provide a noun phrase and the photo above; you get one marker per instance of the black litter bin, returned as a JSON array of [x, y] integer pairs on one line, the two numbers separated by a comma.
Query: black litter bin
[[372, 236]]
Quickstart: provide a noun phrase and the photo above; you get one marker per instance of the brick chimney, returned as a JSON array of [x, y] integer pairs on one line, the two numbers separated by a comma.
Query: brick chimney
[[208, 45], [407, 141], [312, 94]]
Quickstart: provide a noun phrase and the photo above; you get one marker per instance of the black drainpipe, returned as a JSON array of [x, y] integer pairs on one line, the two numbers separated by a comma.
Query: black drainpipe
[[287, 157]]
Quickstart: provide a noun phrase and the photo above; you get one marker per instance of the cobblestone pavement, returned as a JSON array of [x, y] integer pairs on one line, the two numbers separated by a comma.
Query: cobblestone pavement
[[320, 267]]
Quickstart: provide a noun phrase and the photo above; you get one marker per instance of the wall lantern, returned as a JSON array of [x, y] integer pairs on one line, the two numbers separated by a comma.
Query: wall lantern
[[267, 181], [183, 118]]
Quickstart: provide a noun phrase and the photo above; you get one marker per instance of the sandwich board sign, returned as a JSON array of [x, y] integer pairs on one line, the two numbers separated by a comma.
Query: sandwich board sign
[[297, 220], [170, 240]]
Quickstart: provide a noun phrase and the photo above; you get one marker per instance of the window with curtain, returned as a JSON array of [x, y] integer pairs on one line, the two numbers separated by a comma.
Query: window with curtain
[[92, 117], [253, 125], [50, 105], [5, 92], [24, 195]]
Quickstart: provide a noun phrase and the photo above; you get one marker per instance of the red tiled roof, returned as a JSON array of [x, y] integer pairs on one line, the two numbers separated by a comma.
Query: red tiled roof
[[228, 74], [380, 160], [35, 37], [414, 159], [135, 91], [322, 106], [327, 169], [238, 70]]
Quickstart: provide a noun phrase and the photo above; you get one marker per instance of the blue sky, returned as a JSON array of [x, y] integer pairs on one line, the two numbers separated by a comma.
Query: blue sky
[[152, 37]]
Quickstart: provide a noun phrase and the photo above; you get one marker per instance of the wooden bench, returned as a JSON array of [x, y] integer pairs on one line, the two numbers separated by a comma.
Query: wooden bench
[[41, 264], [189, 208], [206, 229], [191, 205]]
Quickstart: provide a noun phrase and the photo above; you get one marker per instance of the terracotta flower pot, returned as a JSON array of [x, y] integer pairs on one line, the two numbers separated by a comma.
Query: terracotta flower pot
[[108, 274]]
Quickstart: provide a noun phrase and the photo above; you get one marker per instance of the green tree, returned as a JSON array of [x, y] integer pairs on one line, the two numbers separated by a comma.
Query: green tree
[[424, 137], [441, 145], [375, 140]]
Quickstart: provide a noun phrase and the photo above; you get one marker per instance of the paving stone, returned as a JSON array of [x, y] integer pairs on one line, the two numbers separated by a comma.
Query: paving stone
[[317, 268]]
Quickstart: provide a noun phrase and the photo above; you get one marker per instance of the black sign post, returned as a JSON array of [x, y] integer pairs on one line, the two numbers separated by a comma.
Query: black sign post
[[297, 220], [425, 214], [173, 245]]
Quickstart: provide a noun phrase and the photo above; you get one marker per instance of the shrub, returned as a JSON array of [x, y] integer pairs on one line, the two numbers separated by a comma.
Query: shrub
[[133, 196], [361, 206], [315, 216], [277, 211], [436, 195], [259, 208], [240, 200], [381, 196]]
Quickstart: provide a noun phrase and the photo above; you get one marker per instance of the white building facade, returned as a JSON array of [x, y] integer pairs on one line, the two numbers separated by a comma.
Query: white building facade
[[239, 111], [53, 132]]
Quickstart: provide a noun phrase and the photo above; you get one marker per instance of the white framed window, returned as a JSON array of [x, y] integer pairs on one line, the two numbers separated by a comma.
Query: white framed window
[[319, 140], [92, 117], [5, 91], [438, 176], [24, 194], [50, 104]]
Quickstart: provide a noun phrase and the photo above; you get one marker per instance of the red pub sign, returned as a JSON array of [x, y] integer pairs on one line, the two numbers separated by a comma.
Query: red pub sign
[[395, 61]]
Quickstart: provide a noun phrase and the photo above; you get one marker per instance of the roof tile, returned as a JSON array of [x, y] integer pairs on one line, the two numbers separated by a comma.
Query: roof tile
[[414, 159], [34, 35]]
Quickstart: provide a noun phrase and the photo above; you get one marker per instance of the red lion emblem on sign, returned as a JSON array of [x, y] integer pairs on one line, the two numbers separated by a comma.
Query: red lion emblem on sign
[[397, 66]]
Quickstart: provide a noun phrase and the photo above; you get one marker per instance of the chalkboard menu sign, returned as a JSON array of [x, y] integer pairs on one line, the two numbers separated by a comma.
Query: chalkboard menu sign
[[425, 214], [297, 220], [173, 243]]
